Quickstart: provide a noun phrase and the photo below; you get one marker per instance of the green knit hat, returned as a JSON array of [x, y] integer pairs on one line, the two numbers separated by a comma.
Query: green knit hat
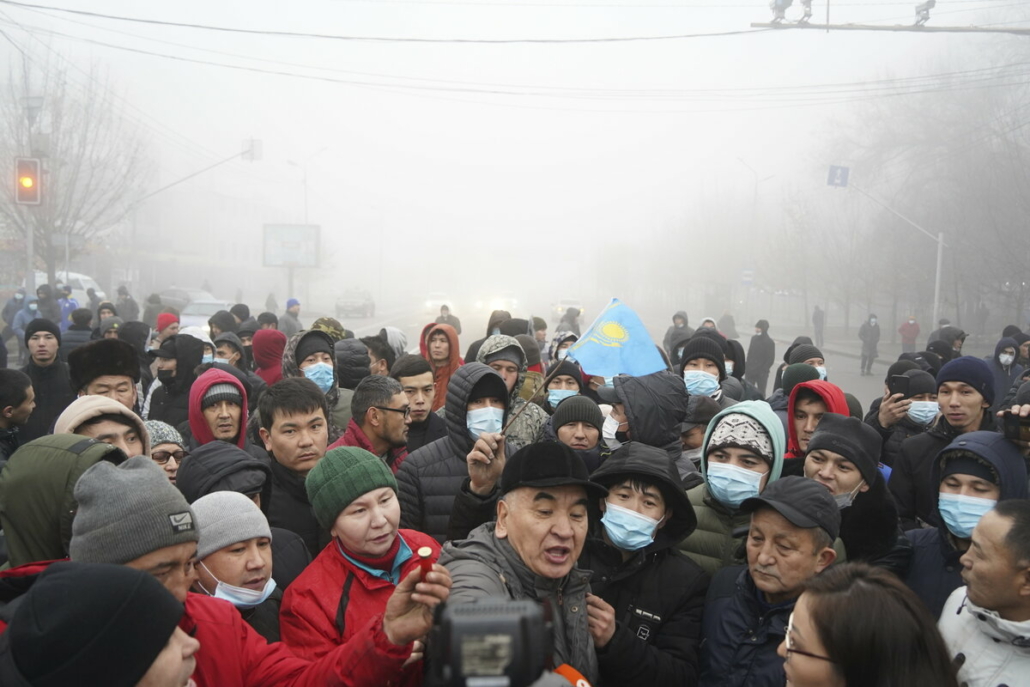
[[343, 475]]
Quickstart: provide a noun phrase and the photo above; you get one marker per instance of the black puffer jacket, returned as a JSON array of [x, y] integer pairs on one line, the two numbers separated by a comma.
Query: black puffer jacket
[[431, 477], [289, 508], [171, 404], [53, 388], [218, 466], [656, 405], [658, 595]]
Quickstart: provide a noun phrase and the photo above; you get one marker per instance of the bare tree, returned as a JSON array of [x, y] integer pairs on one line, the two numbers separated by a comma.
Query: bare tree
[[94, 160]]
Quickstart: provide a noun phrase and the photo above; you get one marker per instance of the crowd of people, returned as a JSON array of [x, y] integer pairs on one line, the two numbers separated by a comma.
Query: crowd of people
[[256, 502]]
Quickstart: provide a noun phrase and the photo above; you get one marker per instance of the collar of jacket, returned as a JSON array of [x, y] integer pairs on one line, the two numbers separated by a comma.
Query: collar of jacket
[[394, 576], [1009, 632], [772, 618], [289, 480]]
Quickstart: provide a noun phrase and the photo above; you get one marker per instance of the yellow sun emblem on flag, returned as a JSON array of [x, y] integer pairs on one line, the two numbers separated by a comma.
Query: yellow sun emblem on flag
[[610, 334]]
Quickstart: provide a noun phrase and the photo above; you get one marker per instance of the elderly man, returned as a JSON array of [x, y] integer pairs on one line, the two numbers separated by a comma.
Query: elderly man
[[530, 552], [793, 525], [106, 367], [986, 623]]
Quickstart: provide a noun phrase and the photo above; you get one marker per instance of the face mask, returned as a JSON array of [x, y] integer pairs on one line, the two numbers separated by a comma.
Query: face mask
[[729, 368], [19, 296], [495, 331], [628, 529], [961, 513], [694, 455], [822, 372], [872, 320], [730, 485], [700, 383], [923, 412], [1005, 359], [224, 361], [758, 332], [609, 382], [321, 374], [165, 376], [911, 321], [241, 597], [562, 354], [845, 500], [608, 431], [207, 358], [484, 420], [33, 307], [556, 396]]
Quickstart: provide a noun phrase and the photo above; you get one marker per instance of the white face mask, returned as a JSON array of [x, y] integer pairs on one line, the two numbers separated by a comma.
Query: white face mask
[[608, 431], [1005, 359], [241, 597], [729, 368]]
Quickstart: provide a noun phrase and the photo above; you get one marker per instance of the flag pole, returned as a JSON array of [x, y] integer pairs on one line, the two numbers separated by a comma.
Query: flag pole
[[543, 387]]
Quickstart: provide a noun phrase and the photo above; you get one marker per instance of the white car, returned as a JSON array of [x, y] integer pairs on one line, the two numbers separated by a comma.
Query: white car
[[78, 282], [197, 313]]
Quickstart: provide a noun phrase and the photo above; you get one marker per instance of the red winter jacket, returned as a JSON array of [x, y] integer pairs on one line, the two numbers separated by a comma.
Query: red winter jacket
[[355, 436], [835, 402], [232, 654], [198, 424], [309, 617]]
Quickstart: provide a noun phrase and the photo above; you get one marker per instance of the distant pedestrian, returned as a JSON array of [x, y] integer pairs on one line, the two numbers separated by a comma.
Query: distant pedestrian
[[869, 333], [761, 354], [909, 331], [288, 323], [447, 318], [818, 320]]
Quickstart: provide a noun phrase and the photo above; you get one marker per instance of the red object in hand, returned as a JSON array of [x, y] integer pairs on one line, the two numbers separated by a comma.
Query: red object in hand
[[426, 554]]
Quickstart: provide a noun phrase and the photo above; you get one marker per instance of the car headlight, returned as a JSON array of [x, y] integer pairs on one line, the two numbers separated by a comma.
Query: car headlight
[[429, 304]]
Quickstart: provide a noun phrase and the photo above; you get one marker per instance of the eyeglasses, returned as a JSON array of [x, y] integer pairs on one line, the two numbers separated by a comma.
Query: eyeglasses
[[790, 648], [162, 457], [405, 411]]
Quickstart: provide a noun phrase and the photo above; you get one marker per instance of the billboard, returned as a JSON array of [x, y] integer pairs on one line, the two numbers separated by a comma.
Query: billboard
[[291, 245]]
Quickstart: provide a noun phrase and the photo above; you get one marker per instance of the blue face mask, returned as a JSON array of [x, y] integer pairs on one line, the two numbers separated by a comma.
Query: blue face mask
[[700, 383], [207, 358], [609, 382], [321, 374], [729, 368], [628, 529], [484, 420], [241, 597], [730, 485], [961, 513], [822, 372], [556, 396], [224, 361], [923, 412]]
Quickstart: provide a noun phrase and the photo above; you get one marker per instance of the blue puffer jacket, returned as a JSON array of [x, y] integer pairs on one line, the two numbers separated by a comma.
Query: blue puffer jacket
[[935, 571], [741, 634]]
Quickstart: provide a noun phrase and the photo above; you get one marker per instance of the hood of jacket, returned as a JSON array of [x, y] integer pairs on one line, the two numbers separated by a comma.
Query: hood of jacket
[[1006, 342], [189, 351], [994, 449], [495, 319], [653, 465], [678, 340], [218, 466], [460, 387], [499, 342], [85, 408], [136, 333], [268, 346], [198, 424], [224, 320], [352, 362], [395, 339], [454, 360], [37, 503], [291, 366], [764, 415], [234, 341], [682, 314], [832, 396], [557, 340], [950, 334], [655, 406], [738, 357]]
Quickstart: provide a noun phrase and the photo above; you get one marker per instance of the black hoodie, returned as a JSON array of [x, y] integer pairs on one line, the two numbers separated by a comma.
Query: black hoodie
[[218, 466], [171, 403]]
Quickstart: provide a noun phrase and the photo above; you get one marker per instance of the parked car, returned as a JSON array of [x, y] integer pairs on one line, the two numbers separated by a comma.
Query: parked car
[[79, 283], [197, 313], [355, 302], [178, 297]]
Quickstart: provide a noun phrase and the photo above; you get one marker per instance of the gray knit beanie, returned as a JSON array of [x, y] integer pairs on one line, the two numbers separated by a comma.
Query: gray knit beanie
[[222, 391], [226, 518], [163, 433], [128, 511]]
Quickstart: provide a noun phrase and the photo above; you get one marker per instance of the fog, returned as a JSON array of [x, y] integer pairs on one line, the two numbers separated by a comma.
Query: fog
[[661, 171]]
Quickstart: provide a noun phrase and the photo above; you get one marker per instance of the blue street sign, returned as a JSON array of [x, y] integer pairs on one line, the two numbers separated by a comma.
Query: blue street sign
[[838, 176]]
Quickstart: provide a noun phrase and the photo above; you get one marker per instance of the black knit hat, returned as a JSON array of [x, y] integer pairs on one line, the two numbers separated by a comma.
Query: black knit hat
[[920, 383], [530, 347], [548, 464], [314, 342], [41, 324], [969, 370], [569, 369], [515, 326], [803, 352], [76, 616], [900, 367], [797, 373], [577, 408], [240, 310], [851, 438], [704, 347], [102, 357], [489, 386]]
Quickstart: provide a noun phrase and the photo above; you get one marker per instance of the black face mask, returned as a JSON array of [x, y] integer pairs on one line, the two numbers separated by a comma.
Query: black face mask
[[165, 376]]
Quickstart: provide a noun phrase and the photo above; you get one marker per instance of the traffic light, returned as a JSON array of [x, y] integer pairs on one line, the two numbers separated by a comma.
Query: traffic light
[[27, 189]]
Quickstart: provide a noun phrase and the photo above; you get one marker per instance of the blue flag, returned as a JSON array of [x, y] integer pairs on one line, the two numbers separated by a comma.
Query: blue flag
[[617, 343]]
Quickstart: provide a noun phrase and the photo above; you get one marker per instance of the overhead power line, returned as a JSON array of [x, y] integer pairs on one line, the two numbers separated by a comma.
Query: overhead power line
[[382, 39]]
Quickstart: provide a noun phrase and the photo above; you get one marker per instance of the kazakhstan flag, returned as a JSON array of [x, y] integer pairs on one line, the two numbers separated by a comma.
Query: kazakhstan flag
[[617, 343]]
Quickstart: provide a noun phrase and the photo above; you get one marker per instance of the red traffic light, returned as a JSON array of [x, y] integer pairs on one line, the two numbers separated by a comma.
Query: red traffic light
[[27, 187]]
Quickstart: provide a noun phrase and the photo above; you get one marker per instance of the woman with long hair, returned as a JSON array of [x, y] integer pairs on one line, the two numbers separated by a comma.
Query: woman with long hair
[[860, 626]]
